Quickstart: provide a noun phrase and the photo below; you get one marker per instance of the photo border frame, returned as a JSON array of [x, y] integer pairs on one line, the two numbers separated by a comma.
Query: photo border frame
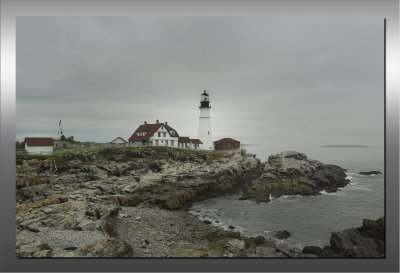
[[10, 9]]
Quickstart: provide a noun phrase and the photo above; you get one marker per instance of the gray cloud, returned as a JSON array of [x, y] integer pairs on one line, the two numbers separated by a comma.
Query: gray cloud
[[316, 78]]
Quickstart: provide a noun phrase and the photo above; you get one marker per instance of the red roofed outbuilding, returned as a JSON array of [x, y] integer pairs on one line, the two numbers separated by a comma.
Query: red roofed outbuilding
[[226, 144], [39, 145], [195, 143]]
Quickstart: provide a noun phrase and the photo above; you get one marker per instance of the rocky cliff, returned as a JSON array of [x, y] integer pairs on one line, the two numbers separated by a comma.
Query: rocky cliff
[[80, 196], [168, 178], [102, 203]]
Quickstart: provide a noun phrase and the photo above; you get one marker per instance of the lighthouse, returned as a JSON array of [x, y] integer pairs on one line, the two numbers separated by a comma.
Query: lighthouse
[[205, 122]]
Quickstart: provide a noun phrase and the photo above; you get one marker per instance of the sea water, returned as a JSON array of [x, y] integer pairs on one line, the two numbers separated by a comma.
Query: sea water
[[309, 219]]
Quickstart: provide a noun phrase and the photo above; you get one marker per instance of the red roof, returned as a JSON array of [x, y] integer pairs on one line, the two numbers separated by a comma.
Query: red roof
[[120, 138], [150, 129], [196, 141], [169, 128], [39, 141], [183, 140], [226, 140]]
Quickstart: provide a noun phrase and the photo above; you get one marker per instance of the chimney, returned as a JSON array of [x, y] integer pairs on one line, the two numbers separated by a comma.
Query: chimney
[[157, 121], [145, 122], [166, 123]]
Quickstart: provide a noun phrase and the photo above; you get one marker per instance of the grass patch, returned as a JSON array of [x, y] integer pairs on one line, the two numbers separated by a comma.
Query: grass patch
[[214, 156], [66, 153]]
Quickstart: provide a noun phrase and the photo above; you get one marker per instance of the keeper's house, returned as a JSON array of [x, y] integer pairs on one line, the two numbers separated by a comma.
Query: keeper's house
[[156, 134], [161, 134], [39, 145], [226, 144]]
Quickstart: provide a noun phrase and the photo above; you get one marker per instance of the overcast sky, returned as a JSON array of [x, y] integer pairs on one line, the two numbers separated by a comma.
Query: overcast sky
[[313, 79]]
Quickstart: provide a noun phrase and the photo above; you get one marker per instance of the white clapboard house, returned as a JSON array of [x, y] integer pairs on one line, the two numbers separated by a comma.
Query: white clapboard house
[[161, 134], [39, 145]]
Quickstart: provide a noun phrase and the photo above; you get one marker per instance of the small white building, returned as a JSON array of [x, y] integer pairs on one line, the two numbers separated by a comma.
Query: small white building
[[156, 134], [119, 142], [39, 145]]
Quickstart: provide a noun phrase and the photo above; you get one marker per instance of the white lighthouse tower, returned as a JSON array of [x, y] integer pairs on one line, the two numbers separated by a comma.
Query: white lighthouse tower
[[205, 122]]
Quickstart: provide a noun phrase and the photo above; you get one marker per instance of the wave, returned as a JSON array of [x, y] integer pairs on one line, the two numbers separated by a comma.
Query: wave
[[360, 188], [327, 193]]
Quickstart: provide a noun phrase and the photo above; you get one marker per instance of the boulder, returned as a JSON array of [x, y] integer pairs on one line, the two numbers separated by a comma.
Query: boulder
[[315, 250], [284, 234], [110, 247], [235, 247]]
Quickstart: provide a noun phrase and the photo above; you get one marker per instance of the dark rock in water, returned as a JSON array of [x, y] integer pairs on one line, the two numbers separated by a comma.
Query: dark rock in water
[[370, 172], [284, 234], [207, 222], [315, 250], [231, 227], [365, 241]]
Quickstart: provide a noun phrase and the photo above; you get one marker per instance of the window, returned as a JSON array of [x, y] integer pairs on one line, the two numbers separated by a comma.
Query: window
[[159, 134], [166, 143], [172, 143], [138, 134], [172, 133], [164, 134]]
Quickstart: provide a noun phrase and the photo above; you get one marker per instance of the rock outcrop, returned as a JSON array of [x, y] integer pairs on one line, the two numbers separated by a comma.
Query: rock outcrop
[[367, 241], [294, 173]]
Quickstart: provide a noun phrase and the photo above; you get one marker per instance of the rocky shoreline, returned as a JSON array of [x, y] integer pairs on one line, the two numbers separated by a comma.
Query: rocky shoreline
[[131, 202]]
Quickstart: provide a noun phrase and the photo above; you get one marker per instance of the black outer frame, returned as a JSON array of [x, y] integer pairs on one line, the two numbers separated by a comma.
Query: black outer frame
[[388, 9]]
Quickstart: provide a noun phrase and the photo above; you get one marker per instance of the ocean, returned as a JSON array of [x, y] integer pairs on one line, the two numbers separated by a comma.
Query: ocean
[[309, 219]]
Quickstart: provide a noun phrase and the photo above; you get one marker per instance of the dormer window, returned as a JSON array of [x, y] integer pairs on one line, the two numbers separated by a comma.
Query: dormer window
[[172, 133]]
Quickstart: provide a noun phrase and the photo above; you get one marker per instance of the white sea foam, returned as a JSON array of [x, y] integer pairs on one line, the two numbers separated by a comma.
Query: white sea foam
[[327, 193], [270, 197]]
